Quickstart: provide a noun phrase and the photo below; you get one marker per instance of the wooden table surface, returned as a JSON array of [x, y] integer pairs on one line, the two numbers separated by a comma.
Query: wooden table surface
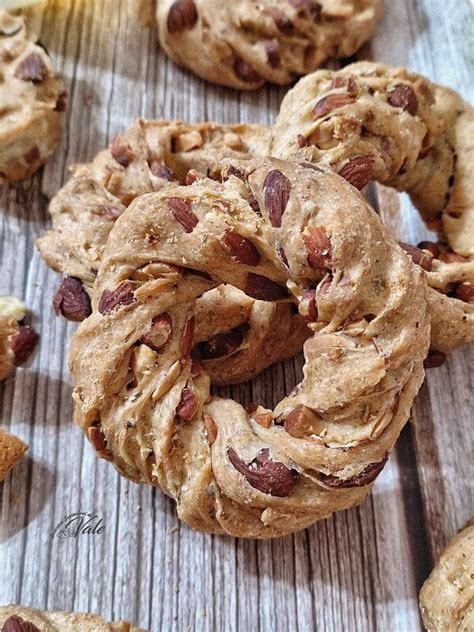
[[360, 570]]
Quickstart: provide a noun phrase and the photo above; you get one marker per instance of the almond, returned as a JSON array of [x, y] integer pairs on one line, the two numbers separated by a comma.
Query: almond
[[121, 152], [159, 332], [108, 211], [269, 477], [211, 428], [367, 476], [18, 624], [358, 171], [277, 189], [403, 96], [99, 442], [72, 301], [181, 210], [32, 68], [182, 16], [264, 289], [465, 292], [421, 258], [301, 421], [187, 338], [159, 170], [331, 102], [318, 246], [222, 344], [121, 296], [188, 404], [349, 83], [308, 308], [23, 343], [262, 419], [241, 248], [245, 72]]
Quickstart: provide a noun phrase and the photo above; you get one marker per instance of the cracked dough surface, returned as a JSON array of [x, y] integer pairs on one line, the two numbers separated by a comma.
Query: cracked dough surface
[[246, 43], [372, 121], [447, 596], [150, 156], [31, 99], [313, 241], [48, 621]]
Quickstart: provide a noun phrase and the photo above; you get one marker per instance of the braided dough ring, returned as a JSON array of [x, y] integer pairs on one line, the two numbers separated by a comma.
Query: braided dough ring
[[33, 620], [370, 121], [447, 596], [266, 473], [31, 99], [243, 44], [243, 335]]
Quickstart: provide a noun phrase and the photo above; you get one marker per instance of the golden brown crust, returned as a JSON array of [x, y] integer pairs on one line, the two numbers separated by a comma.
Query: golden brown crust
[[48, 621], [8, 328], [263, 473], [12, 450], [244, 44], [150, 156], [31, 98], [371, 121], [447, 596]]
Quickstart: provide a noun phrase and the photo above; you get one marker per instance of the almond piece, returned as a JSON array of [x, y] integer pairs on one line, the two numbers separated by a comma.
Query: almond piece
[[367, 476], [182, 16], [331, 102], [211, 428], [159, 332], [188, 404], [269, 477], [465, 292], [277, 189], [121, 152], [358, 171], [307, 307], [421, 258], [18, 624], [187, 338], [403, 96], [349, 83], [318, 246], [222, 344], [245, 72], [181, 210], [121, 296], [23, 343], [159, 170], [301, 421], [262, 419], [241, 248], [71, 300], [264, 289]]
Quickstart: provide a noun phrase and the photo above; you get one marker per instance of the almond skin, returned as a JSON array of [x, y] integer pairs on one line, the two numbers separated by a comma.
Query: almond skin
[[264, 289], [121, 152], [277, 189], [182, 16], [121, 296], [72, 301], [245, 72], [211, 428], [367, 476], [358, 171], [182, 212], [331, 102], [269, 477], [188, 404], [241, 248], [318, 246], [32, 68], [418, 256], [18, 624], [159, 333], [23, 343], [403, 96], [299, 422]]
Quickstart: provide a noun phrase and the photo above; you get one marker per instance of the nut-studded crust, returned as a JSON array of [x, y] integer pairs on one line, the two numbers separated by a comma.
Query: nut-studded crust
[[33, 619], [261, 473], [32, 97], [12, 450], [244, 44], [371, 121], [8, 329], [150, 156], [447, 596]]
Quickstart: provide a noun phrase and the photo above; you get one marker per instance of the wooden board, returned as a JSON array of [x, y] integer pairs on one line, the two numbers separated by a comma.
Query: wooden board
[[357, 571]]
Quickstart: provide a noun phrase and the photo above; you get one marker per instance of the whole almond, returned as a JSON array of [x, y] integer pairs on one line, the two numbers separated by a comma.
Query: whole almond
[[188, 404], [331, 102], [269, 477], [241, 248], [182, 16], [277, 189], [121, 296], [318, 246], [264, 289]]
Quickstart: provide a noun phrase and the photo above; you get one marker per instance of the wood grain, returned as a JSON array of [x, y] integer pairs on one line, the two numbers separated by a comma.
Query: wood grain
[[357, 571]]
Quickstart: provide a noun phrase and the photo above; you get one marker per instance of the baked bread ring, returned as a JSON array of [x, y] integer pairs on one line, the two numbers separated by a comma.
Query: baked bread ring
[[313, 240], [12, 449], [243, 44], [447, 596], [370, 121], [26, 619], [31, 100], [243, 336]]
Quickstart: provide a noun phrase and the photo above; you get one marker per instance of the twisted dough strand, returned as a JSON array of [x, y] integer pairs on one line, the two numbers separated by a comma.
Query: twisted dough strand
[[314, 240], [371, 121]]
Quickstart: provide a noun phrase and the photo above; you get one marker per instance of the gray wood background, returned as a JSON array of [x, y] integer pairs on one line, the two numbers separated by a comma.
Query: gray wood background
[[360, 570]]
